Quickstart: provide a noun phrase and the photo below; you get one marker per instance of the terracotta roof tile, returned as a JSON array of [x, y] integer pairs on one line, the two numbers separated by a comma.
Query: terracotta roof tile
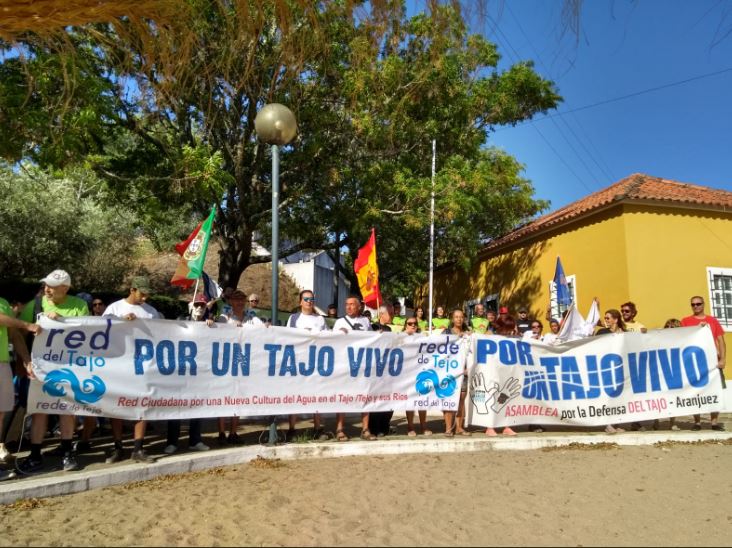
[[636, 187]]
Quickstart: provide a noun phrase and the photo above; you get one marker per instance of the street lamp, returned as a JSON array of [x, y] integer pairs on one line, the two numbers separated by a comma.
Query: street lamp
[[276, 126]]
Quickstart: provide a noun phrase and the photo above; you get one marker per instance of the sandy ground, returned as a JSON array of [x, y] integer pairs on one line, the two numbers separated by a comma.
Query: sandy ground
[[673, 494]]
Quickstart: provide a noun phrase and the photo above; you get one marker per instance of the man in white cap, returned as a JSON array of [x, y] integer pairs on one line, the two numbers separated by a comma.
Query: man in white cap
[[131, 308], [55, 303]]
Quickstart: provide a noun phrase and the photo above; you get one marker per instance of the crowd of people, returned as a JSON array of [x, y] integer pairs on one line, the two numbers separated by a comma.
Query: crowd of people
[[18, 326]]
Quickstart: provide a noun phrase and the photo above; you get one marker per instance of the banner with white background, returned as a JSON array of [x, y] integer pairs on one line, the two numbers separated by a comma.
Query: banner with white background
[[614, 378], [162, 369]]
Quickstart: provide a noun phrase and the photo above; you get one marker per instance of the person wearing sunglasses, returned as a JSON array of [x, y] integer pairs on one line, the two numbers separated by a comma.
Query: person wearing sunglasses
[[308, 320], [98, 306], [629, 312], [699, 317], [252, 303], [534, 332]]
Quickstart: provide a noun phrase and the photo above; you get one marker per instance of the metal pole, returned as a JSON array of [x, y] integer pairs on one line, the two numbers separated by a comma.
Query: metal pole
[[275, 259], [432, 231], [275, 230]]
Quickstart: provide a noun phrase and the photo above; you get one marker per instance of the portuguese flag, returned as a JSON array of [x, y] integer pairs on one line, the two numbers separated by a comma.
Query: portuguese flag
[[367, 272], [193, 253]]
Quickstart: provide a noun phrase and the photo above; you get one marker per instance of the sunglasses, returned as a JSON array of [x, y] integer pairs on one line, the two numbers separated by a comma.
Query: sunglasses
[[410, 323], [308, 299], [697, 304], [625, 310]]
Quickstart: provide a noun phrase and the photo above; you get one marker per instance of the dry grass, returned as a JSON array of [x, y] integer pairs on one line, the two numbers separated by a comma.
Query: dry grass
[[670, 443], [164, 481], [23, 505], [265, 463], [576, 446]]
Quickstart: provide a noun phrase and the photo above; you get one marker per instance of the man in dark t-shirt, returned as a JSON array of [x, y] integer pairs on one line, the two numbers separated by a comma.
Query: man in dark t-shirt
[[523, 322]]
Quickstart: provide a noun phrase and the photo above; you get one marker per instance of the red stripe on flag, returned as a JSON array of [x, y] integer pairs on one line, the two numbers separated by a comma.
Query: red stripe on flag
[[181, 247]]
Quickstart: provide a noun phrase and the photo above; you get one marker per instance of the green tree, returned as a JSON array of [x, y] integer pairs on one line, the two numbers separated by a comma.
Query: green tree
[[369, 96], [63, 222]]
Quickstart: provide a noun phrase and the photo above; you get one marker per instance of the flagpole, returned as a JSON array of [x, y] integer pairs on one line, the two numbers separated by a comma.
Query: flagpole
[[432, 232], [195, 289]]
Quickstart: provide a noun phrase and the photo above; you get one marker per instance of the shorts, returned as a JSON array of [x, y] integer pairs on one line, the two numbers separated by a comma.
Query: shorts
[[7, 391]]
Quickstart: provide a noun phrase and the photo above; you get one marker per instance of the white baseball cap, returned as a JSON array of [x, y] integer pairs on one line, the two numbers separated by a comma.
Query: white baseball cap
[[57, 278]]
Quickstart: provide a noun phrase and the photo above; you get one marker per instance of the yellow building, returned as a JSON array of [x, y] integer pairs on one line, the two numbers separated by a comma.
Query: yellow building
[[644, 239]]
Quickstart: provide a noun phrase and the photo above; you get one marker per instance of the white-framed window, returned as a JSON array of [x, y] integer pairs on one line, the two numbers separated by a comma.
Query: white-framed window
[[720, 295], [556, 308]]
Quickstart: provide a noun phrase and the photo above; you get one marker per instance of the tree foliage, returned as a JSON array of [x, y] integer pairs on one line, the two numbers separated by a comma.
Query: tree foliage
[[369, 97], [63, 222]]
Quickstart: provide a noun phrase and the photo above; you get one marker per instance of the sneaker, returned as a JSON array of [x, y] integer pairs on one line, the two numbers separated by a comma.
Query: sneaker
[[69, 462], [200, 446], [675, 427], [116, 455], [320, 435], [170, 449], [7, 475], [222, 438], [537, 429], [82, 446], [141, 456], [4, 453], [610, 429], [696, 427], [30, 465], [718, 427]]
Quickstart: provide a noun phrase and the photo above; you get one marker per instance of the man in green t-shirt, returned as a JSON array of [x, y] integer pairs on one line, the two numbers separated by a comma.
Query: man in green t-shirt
[[479, 323], [398, 319], [54, 304], [10, 328]]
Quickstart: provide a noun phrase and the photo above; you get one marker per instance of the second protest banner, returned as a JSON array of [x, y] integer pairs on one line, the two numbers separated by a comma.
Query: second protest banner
[[600, 380]]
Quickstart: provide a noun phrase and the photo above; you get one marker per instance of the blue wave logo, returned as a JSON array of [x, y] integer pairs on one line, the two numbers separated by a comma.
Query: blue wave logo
[[428, 380], [89, 391]]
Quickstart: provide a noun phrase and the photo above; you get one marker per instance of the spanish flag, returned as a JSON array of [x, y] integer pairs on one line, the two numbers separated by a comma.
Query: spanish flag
[[193, 253], [367, 273]]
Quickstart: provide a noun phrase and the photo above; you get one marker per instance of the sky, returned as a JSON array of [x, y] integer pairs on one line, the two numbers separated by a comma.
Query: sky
[[682, 131]]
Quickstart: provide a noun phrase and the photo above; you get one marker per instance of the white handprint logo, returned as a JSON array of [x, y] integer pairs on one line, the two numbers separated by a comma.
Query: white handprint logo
[[495, 396]]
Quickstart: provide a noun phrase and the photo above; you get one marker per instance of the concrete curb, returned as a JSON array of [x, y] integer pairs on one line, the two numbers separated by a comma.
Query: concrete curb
[[75, 482]]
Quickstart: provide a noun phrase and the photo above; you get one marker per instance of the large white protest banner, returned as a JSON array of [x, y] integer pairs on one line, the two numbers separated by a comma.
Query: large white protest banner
[[158, 369], [595, 381]]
